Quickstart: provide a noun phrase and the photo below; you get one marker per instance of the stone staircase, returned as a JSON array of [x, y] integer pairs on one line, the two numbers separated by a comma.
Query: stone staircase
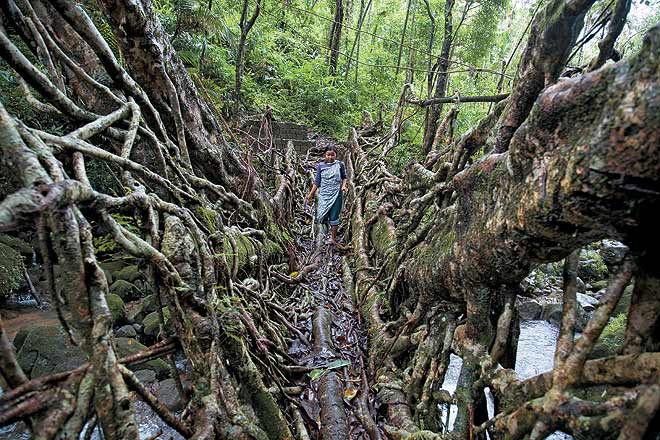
[[283, 132]]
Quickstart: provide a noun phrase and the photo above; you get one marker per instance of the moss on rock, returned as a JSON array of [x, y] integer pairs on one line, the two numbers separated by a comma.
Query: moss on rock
[[130, 346], [46, 350], [117, 308], [125, 289], [151, 322], [11, 270]]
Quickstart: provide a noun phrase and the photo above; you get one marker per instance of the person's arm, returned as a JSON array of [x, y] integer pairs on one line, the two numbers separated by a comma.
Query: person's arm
[[344, 180], [315, 185], [308, 199]]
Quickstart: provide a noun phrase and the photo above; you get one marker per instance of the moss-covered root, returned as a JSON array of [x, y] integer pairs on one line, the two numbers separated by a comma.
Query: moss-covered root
[[253, 390]]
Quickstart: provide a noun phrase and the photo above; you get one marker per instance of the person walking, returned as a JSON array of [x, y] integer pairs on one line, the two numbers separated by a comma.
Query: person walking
[[330, 182]]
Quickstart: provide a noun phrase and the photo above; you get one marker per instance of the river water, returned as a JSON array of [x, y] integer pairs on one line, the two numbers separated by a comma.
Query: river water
[[536, 348]]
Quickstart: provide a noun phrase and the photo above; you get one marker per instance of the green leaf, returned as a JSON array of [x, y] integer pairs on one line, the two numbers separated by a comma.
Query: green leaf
[[339, 363], [317, 373]]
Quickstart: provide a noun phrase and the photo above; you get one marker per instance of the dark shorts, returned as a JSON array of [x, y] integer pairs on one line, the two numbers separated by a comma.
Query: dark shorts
[[332, 217]]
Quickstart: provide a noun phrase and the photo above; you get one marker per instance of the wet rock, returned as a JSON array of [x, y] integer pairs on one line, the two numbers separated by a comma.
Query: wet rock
[[552, 312], [129, 273], [117, 308], [146, 377], [125, 290], [530, 310], [129, 346], [168, 395], [588, 303], [581, 287], [46, 350], [613, 252], [126, 331]]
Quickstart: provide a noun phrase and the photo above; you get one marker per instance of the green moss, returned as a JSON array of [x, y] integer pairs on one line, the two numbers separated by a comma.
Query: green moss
[[16, 243], [611, 339], [447, 241], [208, 216], [382, 240], [11, 270], [129, 346], [152, 323], [592, 267], [117, 308]]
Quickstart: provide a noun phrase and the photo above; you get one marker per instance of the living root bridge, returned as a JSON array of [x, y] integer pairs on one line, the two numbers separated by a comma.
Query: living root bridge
[[188, 207], [583, 165]]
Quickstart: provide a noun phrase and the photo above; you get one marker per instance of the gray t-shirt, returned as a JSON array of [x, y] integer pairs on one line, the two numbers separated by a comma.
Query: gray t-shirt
[[323, 165]]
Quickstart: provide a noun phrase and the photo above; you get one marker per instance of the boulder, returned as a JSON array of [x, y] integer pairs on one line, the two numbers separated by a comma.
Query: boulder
[[125, 290], [588, 303], [11, 271], [146, 377], [530, 310], [134, 312], [612, 253], [151, 322], [149, 304], [117, 308], [129, 273], [115, 265], [108, 277], [129, 346], [168, 395], [552, 312], [138, 310], [19, 339], [126, 331], [46, 350]]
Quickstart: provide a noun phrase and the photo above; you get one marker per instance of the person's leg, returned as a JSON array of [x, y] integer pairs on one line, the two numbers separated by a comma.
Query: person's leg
[[334, 218]]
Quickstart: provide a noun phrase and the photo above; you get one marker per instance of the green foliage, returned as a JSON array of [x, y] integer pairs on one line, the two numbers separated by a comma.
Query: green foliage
[[106, 244], [612, 337]]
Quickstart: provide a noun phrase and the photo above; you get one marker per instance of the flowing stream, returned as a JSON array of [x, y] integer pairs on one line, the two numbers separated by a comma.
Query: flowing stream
[[536, 348]]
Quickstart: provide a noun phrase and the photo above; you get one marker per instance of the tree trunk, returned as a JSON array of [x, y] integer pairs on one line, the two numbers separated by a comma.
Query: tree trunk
[[441, 77], [245, 27], [335, 36]]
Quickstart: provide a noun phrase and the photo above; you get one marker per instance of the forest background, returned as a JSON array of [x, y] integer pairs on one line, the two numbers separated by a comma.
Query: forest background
[[382, 45]]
